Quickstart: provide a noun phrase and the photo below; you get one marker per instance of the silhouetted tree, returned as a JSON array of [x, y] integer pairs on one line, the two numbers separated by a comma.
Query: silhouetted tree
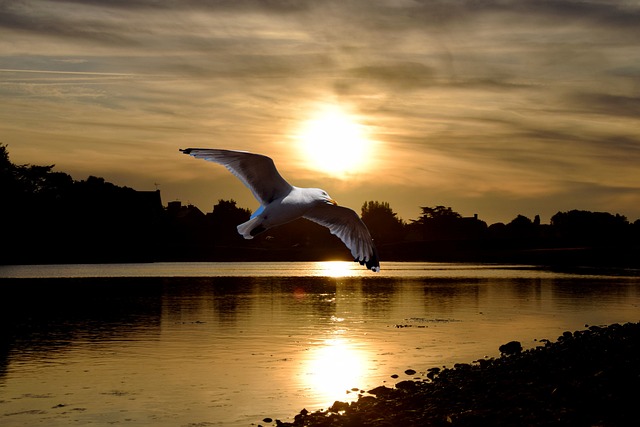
[[438, 223], [497, 231], [382, 222], [437, 212], [521, 227], [187, 236], [443, 223], [49, 217], [521, 221], [29, 183], [32, 204], [636, 229], [585, 227]]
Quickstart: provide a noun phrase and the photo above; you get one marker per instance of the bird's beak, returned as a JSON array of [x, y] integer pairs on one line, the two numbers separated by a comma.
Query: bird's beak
[[333, 202]]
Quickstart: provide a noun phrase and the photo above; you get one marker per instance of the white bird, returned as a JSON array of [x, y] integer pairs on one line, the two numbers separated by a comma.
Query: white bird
[[282, 202]]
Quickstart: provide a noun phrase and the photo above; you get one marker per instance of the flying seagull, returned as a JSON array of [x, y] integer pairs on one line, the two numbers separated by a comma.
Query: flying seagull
[[282, 202]]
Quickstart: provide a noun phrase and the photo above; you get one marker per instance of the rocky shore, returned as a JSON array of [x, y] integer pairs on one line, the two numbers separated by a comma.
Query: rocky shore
[[585, 378]]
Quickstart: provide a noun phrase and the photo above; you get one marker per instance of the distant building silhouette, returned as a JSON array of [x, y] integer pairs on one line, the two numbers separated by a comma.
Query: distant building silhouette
[[188, 213]]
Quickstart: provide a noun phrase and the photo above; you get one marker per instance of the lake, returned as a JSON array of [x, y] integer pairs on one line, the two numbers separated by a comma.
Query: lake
[[206, 344]]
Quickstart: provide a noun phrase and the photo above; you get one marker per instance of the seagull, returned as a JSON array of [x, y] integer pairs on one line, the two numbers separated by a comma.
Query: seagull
[[281, 202]]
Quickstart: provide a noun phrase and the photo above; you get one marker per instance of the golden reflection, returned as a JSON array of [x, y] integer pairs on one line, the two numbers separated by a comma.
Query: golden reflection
[[335, 268], [334, 367], [334, 142]]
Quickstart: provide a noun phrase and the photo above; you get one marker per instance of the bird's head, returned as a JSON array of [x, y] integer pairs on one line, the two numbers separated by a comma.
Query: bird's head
[[324, 197]]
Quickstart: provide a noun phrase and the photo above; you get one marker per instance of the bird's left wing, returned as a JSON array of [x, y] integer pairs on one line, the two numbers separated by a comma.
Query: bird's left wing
[[347, 225], [256, 171]]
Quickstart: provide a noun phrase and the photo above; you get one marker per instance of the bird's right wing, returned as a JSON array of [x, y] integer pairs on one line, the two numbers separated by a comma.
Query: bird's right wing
[[256, 171], [347, 225]]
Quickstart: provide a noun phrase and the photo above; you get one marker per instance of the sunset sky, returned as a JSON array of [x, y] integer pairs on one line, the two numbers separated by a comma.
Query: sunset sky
[[496, 107]]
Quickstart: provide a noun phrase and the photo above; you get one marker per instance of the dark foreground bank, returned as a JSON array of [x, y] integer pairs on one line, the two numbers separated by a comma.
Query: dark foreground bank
[[586, 378]]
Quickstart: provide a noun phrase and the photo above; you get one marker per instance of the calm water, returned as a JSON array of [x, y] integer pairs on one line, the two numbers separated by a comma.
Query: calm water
[[231, 343]]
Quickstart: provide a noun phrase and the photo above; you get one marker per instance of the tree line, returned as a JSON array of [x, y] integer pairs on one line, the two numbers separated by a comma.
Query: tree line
[[48, 217]]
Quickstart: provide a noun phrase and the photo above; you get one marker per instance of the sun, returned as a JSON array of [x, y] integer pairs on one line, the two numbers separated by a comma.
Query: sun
[[334, 142]]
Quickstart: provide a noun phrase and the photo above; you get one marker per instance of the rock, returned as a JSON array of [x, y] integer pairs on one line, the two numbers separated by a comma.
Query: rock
[[406, 385], [301, 416], [339, 406], [511, 348], [410, 372], [380, 391]]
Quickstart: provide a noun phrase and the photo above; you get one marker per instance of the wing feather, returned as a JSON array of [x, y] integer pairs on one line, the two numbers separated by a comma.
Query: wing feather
[[257, 172], [348, 227]]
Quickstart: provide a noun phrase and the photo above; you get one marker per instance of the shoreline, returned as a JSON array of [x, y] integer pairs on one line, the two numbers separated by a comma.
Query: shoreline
[[585, 378]]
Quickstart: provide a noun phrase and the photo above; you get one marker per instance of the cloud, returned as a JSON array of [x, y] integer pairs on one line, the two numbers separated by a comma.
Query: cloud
[[44, 19], [509, 100], [399, 76], [268, 5], [606, 104]]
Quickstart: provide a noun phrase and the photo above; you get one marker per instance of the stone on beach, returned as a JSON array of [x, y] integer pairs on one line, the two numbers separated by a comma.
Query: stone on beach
[[512, 347]]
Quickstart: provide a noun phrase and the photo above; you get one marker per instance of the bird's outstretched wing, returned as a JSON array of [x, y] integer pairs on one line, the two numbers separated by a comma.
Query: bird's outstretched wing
[[256, 171], [347, 225]]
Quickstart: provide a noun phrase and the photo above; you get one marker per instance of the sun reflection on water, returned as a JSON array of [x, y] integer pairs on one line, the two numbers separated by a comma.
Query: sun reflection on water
[[334, 367], [335, 268]]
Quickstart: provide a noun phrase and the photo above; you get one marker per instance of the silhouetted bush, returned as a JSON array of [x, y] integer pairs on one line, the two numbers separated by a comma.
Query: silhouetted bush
[[383, 224]]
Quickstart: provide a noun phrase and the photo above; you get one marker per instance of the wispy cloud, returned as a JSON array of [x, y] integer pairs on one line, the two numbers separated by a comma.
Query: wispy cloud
[[72, 73]]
